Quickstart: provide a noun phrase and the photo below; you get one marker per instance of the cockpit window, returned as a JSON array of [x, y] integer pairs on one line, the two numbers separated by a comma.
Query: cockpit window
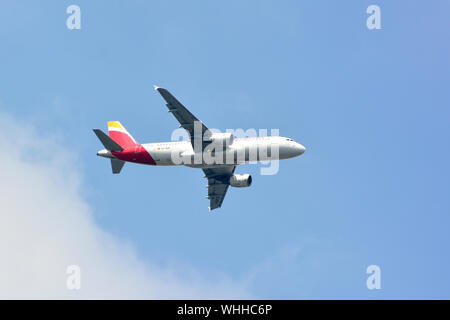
[[289, 140]]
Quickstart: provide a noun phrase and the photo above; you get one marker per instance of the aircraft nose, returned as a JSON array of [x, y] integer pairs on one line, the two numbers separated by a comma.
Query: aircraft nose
[[300, 149]]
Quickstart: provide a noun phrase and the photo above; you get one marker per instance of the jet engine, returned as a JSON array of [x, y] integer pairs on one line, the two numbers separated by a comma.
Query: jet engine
[[240, 180]]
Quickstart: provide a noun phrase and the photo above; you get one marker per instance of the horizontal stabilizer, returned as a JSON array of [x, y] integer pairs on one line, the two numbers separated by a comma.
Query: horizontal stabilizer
[[109, 143], [117, 165]]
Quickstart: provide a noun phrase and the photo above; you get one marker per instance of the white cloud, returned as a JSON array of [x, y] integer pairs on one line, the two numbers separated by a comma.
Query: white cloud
[[46, 225]]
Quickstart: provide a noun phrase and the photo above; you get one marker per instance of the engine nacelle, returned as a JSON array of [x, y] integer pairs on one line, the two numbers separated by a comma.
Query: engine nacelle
[[240, 180], [221, 139]]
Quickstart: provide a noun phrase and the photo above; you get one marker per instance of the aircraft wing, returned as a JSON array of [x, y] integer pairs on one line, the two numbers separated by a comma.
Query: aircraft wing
[[183, 115], [218, 178]]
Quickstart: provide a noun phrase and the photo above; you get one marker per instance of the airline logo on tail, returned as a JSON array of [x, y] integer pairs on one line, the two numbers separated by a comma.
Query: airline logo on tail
[[119, 134]]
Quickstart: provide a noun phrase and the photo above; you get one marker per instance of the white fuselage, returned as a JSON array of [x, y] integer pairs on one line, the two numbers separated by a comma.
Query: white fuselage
[[242, 150]]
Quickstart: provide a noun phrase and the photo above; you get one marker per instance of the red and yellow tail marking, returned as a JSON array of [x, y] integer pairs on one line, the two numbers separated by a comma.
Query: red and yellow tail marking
[[119, 134], [133, 152]]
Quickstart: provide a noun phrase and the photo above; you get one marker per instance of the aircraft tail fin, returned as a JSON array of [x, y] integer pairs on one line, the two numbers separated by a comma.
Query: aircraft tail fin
[[119, 134], [117, 165], [107, 142]]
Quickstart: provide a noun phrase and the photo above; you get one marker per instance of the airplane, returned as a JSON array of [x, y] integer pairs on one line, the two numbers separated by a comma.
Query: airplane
[[217, 154]]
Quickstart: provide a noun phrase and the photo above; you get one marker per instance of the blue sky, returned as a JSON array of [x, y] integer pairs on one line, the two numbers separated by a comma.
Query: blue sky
[[371, 107]]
